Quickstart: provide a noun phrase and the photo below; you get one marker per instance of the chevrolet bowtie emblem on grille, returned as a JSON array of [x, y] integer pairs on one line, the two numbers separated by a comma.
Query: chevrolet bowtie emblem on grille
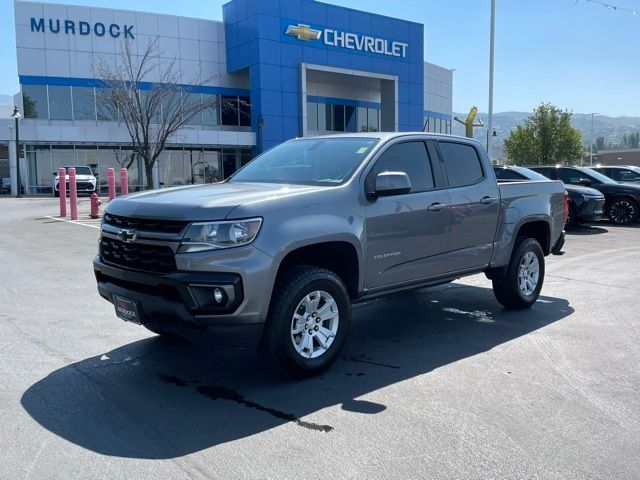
[[303, 32], [127, 236]]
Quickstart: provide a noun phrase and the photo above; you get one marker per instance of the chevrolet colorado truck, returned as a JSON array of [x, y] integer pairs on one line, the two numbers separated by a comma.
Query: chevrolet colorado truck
[[274, 256]]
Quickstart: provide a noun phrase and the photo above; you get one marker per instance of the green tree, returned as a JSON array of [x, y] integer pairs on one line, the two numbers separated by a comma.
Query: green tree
[[631, 140], [545, 138], [600, 144]]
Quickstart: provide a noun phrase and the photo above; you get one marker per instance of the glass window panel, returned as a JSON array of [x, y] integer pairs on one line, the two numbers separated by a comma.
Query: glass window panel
[[62, 156], [60, 103], [312, 116], [410, 158], [350, 118], [84, 103], [323, 116], [210, 168], [34, 100], [373, 119], [87, 156], [229, 110], [230, 162], [338, 118], [176, 167], [103, 110], [362, 119], [211, 115], [40, 169], [462, 163], [109, 157], [245, 111], [193, 100]]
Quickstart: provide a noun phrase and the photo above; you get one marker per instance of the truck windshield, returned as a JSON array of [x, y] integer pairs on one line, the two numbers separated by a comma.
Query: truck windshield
[[313, 161]]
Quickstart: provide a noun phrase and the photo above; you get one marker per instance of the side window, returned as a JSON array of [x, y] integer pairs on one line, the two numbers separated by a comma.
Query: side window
[[462, 164], [547, 172], [410, 158], [572, 177], [625, 175], [507, 174]]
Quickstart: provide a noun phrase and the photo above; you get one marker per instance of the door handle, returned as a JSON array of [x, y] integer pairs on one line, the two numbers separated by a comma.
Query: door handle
[[436, 206], [488, 200]]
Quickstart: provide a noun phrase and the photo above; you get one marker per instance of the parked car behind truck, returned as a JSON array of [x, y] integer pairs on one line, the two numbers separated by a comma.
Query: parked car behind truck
[[274, 256], [622, 201], [585, 204]]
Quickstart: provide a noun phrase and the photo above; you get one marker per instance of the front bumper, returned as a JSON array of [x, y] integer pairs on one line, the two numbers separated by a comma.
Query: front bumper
[[592, 209], [175, 302], [84, 187]]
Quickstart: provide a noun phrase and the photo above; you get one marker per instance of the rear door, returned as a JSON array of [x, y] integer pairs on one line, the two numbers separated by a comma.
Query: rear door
[[406, 234], [474, 204]]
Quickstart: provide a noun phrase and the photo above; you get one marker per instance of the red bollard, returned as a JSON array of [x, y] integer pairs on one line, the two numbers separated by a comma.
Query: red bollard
[[124, 181], [95, 206], [62, 189], [111, 181], [73, 194]]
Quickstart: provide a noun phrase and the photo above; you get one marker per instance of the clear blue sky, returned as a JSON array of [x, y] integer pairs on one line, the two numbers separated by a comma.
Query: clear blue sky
[[577, 55]]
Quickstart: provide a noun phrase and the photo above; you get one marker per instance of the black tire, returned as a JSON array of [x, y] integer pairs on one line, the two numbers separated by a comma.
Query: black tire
[[56, 193], [290, 290], [572, 221], [623, 211], [507, 288]]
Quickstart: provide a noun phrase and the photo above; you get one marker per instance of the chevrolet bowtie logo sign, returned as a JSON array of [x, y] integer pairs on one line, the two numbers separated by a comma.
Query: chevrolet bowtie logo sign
[[303, 32]]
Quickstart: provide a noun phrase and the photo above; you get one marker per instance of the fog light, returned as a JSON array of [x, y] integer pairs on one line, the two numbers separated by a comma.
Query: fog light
[[218, 295]]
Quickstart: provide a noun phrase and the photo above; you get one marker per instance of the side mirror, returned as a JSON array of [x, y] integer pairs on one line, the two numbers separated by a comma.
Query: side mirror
[[392, 183], [585, 182]]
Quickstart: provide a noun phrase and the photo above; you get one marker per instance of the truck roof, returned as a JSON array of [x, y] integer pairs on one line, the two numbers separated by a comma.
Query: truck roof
[[389, 135]]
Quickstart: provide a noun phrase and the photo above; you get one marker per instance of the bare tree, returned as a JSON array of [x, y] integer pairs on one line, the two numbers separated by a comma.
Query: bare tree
[[151, 112]]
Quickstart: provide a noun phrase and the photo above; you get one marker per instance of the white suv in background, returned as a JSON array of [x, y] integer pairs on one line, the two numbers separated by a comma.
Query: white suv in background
[[85, 180]]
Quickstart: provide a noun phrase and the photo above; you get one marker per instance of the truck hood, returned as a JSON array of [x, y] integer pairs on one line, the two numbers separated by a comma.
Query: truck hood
[[200, 202]]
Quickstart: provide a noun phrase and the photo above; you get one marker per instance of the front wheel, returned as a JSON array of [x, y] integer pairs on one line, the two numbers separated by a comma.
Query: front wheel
[[623, 211], [308, 320], [520, 287]]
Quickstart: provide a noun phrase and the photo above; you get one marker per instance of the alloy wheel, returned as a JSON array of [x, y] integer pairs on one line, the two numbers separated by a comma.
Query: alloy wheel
[[528, 273], [314, 325], [622, 212]]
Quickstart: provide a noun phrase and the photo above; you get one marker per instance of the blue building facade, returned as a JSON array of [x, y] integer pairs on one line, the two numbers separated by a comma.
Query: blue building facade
[[271, 70], [277, 40]]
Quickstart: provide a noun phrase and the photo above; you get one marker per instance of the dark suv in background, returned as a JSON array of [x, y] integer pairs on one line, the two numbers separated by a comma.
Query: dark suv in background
[[585, 204], [622, 200], [626, 174]]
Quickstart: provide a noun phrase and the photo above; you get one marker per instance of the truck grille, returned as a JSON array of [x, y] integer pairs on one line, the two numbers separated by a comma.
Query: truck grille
[[138, 256], [145, 225]]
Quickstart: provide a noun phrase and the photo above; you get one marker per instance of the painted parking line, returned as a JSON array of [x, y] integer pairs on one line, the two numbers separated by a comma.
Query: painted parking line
[[75, 222]]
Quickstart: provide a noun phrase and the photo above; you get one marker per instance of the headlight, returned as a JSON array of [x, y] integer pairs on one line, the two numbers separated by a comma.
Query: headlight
[[216, 235]]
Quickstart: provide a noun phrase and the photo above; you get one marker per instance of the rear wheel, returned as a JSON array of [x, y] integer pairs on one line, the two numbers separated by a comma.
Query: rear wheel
[[623, 211], [56, 193], [308, 320], [520, 287]]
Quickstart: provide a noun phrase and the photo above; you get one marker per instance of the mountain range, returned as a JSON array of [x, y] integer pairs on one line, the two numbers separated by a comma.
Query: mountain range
[[611, 128]]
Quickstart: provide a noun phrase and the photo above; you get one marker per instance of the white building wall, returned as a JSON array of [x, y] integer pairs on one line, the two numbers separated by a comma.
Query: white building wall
[[438, 89]]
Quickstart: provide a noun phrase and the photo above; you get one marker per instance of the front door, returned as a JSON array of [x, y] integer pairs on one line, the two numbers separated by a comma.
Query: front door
[[406, 234]]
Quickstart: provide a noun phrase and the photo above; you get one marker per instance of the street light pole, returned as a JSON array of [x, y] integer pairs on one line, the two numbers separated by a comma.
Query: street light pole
[[491, 44], [591, 149], [16, 115]]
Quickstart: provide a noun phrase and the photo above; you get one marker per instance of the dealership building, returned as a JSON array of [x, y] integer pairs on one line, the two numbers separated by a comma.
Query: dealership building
[[275, 70]]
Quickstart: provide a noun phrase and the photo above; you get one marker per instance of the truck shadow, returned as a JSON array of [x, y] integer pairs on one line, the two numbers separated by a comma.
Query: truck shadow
[[158, 399]]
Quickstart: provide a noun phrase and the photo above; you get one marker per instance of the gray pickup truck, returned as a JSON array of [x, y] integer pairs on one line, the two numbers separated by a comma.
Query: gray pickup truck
[[274, 256]]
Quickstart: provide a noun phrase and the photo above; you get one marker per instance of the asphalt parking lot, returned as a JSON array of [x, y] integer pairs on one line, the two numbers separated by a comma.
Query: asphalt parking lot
[[440, 383]]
